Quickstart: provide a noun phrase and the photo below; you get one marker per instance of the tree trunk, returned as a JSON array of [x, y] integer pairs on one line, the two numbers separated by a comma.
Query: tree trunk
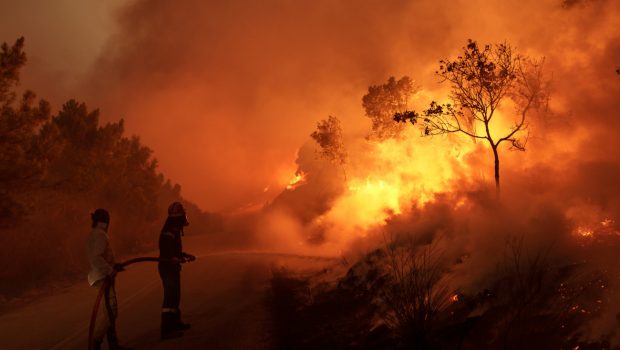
[[496, 156]]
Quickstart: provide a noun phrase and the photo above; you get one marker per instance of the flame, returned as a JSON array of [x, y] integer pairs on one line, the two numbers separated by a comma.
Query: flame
[[386, 178], [596, 229], [591, 222], [298, 179], [584, 231]]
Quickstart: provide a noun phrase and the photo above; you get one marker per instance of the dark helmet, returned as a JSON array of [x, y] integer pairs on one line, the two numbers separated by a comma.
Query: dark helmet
[[100, 215], [176, 210]]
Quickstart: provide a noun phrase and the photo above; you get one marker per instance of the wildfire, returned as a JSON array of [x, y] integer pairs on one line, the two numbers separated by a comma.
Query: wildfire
[[597, 229], [607, 222], [388, 177], [584, 231], [376, 191], [297, 180]]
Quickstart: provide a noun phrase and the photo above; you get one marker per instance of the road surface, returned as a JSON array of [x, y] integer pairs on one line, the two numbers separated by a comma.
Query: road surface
[[223, 297]]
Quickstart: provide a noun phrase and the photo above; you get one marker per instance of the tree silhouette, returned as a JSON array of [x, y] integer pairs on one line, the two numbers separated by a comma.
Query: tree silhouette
[[328, 135], [55, 169], [480, 81], [12, 59], [383, 101], [19, 122]]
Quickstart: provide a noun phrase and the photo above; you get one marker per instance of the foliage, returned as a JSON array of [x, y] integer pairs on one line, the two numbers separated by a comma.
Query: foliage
[[19, 123], [328, 135], [480, 81], [12, 59], [54, 171], [383, 101]]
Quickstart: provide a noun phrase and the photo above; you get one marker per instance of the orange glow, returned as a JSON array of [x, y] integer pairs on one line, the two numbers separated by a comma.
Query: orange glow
[[297, 180], [227, 95], [590, 223], [387, 177], [584, 231]]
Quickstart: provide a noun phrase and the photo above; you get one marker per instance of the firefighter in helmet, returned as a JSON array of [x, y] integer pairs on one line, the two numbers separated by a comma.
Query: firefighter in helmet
[[171, 257], [103, 269]]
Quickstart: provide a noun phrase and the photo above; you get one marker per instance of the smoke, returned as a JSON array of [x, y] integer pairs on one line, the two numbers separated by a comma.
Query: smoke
[[226, 92], [223, 90]]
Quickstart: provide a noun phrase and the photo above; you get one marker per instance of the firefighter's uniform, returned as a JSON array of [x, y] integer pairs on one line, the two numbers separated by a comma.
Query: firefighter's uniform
[[170, 247], [171, 256]]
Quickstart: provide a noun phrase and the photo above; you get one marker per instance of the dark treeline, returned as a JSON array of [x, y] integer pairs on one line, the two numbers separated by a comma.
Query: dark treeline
[[57, 168]]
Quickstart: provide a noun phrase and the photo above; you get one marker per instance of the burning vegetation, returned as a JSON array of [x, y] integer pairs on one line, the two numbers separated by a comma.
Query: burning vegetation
[[404, 187], [434, 258]]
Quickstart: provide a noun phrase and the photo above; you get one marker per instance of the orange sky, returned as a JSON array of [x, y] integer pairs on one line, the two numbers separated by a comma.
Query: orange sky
[[226, 92]]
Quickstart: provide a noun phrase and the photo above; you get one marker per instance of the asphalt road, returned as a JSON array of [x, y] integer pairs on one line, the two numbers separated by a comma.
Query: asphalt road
[[223, 297]]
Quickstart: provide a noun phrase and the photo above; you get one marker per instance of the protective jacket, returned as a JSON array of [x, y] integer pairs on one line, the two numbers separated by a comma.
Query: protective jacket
[[170, 247], [99, 254]]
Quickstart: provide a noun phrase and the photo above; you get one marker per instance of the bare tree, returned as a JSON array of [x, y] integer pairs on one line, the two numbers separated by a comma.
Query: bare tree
[[383, 101], [480, 81], [328, 135]]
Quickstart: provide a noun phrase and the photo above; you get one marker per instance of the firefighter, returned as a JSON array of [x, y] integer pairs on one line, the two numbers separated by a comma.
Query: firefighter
[[103, 268], [172, 256]]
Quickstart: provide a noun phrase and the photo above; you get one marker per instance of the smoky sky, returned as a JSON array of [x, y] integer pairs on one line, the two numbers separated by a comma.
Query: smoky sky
[[226, 92]]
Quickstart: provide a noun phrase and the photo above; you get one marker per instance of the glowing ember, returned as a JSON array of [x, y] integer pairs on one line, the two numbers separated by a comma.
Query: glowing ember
[[454, 298], [460, 203], [584, 231], [297, 180], [596, 228]]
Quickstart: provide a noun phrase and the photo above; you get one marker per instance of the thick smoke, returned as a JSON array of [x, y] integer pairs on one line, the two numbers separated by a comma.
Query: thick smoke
[[225, 92]]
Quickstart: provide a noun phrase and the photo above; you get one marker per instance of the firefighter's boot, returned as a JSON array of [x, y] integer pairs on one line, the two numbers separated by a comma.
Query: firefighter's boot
[[178, 324], [168, 326]]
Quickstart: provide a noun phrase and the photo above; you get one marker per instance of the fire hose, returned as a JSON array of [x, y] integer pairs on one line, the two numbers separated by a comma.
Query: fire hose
[[108, 282]]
